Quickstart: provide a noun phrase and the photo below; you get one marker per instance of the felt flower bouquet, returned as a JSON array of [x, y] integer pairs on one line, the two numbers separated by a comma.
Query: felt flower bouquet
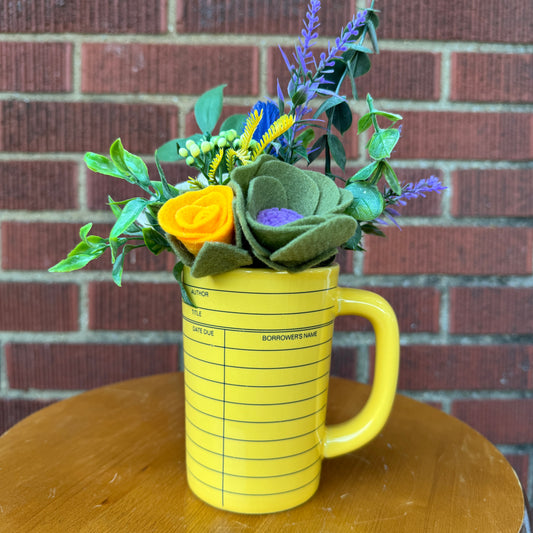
[[256, 197]]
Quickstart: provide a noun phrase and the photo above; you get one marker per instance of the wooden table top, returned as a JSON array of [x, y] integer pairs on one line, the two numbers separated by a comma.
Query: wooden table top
[[112, 460]]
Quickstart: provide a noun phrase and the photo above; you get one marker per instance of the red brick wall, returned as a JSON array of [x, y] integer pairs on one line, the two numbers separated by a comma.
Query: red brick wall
[[75, 75]]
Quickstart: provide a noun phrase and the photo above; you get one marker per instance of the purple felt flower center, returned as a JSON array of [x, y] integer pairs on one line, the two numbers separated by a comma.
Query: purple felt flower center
[[276, 216]]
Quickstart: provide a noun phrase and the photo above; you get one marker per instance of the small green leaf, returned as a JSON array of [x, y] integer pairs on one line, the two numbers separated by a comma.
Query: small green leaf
[[84, 231], [391, 178], [137, 167], [336, 74], [341, 117], [318, 148], [393, 117], [208, 108], [337, 150], [77, 261], [167, 191], [155, 242], [370, 229], [113, 246], [372, 15], [359, 65], [357, 48], [118, 269], [364, 123], [330, 102], [365, 173], [372, 33], [129, 214], [113, 206], [306, 137], [178, 271], [94, 241], [102, 165], [355, 239], [234, 122], [116, 151], [382, 143]]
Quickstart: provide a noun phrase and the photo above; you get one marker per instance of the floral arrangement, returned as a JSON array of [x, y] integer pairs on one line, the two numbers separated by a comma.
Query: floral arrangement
[[253, 201]]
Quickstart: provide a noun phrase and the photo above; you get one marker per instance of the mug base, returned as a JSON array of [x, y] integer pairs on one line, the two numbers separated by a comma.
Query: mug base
[[252, 503]]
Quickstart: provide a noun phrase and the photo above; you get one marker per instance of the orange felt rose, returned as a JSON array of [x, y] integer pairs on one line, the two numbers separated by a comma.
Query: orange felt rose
[[196, 217]]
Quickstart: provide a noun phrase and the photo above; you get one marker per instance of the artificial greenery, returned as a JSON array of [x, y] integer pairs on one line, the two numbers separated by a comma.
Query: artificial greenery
[[255, 154]]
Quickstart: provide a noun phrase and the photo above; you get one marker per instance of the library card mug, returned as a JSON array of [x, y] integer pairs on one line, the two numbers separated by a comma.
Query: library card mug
[[257, 350]]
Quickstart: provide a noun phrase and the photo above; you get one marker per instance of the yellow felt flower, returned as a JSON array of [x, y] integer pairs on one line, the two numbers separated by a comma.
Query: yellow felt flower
[[196, 217]]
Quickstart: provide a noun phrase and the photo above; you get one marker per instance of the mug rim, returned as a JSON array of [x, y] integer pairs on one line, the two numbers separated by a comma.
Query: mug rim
[[248, 271]]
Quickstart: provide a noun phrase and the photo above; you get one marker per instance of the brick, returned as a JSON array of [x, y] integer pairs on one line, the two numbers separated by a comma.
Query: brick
[[456, 367], [55, 242], [467, 136], [452, 250], [417, 310], [35, 67], [99, 186], [38, 307], [520, 464], [79, 16], [84, 126], [135, 306], [35, 246], [13, 410], [453, 20], [492, 193], [502, 421], [344, 362], [159, 68], [253, 17], [491, 77], [38, 185], [85, 366], [491, 310], [402, 76]]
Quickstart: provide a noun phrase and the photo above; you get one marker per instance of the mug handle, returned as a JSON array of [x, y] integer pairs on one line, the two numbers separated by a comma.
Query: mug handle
[[348, 436]]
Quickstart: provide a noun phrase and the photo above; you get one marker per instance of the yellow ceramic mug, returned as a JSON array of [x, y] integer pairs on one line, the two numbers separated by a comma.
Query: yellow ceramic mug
[[257, 349]]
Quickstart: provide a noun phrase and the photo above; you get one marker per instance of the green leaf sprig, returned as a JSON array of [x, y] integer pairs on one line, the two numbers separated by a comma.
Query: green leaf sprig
[[129, 231]]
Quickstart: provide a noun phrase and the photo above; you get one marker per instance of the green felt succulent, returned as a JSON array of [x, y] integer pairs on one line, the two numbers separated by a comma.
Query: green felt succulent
[[214, 257], [312, 239]]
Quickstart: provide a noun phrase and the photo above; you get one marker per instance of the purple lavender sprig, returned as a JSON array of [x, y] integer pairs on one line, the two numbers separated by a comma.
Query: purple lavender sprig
[[417, 190], [410, 191], [305, 84], [304, 55], [350, 32]]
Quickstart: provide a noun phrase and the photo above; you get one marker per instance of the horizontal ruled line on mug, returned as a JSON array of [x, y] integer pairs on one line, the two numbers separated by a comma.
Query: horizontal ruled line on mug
[[189, 286], [226, 473], [232, 312], [258, 367], [274, 458], [292, 437], [256, 404], [281, 385], [314, 413], [259, 328], [263, 494], [288, 349]]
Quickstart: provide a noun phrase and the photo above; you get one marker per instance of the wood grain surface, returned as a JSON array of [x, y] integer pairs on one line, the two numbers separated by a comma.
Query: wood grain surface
[[113, 460]]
